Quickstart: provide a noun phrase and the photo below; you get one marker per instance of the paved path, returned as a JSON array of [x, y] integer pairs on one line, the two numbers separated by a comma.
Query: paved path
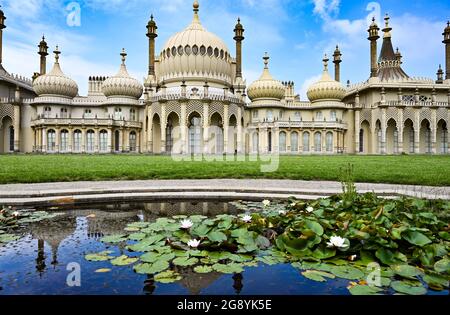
[[224, 189]]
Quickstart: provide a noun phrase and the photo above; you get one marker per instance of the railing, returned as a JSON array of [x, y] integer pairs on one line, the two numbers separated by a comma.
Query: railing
[[86, 121], [197, 96], [303, 124], [413, 103]]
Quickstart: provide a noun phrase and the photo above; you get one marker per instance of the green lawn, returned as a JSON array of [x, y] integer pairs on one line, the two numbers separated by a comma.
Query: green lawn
[[422, 170]]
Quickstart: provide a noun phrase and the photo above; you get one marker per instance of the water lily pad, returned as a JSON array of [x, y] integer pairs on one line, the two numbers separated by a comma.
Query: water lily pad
[[317, 275], [408, 288], [102, 256], [344, 272], [228, 268], [442, 265], [406, 271], [185, 261], [123, 260], [132, 229], [364, 290], [217, 236], [136, 236], [5, 238], [147, 268], [436, 281], [314, 226], [103, 270], [150, 257], [416, 238], [203, 269], [167, 277], [113, 238]]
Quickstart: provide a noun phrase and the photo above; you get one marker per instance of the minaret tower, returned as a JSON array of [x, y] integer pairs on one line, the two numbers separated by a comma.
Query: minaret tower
[[2, 26], [337, 60], [446, 41], [239, 37], [373, 37], [43, 52], [151, 34]]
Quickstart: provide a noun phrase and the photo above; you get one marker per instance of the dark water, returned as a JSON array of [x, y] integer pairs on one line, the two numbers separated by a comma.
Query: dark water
[[37, 263]]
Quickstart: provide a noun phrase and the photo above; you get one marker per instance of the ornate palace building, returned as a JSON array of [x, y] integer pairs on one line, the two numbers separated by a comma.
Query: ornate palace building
[[195, 100]]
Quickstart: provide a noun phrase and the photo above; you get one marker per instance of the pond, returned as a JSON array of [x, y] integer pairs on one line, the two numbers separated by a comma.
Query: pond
[[46, 253]]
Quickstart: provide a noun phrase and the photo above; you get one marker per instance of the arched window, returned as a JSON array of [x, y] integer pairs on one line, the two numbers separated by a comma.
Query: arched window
[[329, 142], [180, 50], [11, 139], [269, 116], [361, 141], [294, 141], [306, 142], [195, 135], [195, 49], [51, 140], [210, 51], [47, 112], [282, 141], [77, 141], [133, 141], [103, 141], [255, 142], [333, 115], [90, 141], [118, 113], [319, 116], [64, 146], [132, 114], [318, 142]]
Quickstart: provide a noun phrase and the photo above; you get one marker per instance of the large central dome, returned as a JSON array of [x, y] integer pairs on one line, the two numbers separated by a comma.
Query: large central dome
[[195, 54]]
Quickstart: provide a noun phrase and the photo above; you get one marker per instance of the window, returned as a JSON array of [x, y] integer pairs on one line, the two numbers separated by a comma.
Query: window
[[281, 114], [282, 141], [408, 98], [306, 142], [210, 51], [195, 135], [329, 142], [361, 141], [133, 141], [118, 113], [269, 116], [297, 116], [318, 142], [332, 115], [88, 113], [255, 114], [47, 112], [132, 114], [11, 139], [216, 52], [411, 141], [77, 141], [395, 141], [51, 140], [444, 141], [294, 142], [255, 142], [195, 49], [103, 141], [174, 51], [319, 116], [187, 50], [180, 50], [202, 50], [63, 113], [423, 98], [64, 146], [90, 141]]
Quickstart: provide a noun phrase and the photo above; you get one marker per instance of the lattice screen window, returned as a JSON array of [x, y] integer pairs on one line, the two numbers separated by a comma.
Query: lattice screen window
[[408, 98]]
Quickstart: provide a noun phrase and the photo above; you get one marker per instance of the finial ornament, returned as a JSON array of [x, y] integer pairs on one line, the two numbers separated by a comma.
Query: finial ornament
[[57, 53], [124, 55], [196, 6], [325, 62], [266, 60], [386, 20]]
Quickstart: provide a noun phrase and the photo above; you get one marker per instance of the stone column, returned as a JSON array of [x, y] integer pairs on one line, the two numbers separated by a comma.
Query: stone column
[[400, 131], [383, 131], [57, 139], [163, 127], [96, 140], [276, 140], [16, 128], [225, 128], [239, 131], [433, 130], [110, 144], [70, 140], [44, 139], [183, 129], [417, 132], [205, 128], [149, 130], [357, 130]]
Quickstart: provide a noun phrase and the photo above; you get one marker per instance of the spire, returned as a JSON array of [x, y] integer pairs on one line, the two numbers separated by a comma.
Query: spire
[[57, 53], [440, 75], [266, 60], [124, 56], [325, 63], [196, 7], [387, 29]]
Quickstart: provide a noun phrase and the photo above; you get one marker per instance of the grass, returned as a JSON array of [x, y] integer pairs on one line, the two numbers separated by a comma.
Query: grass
[[420, 170]]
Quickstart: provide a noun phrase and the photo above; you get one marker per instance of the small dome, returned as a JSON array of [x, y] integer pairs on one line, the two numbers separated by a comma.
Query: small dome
[[55, 82], [326, 89], [122, 85], [266, 87], [196, 54]]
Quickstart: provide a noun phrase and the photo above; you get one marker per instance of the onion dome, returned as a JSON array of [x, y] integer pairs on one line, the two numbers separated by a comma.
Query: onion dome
[[55, 82], [326, 89], [266, 87], [122, 85], [195, 54]]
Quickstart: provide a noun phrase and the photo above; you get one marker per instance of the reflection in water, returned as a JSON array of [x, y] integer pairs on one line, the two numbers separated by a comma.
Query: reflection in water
[[149, 285], [40, 260], [238, 285]]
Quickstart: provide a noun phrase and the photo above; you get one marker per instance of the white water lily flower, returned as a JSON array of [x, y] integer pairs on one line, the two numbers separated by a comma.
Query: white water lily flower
[[293, 204], [309, 209], [246, 218], [282, 212], [186, 224], [16, 213], [337, 241], [193, 243], [352, 257], [266, 203]]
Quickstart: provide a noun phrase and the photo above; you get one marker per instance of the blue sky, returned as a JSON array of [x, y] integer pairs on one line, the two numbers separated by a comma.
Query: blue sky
[[295, 33]]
